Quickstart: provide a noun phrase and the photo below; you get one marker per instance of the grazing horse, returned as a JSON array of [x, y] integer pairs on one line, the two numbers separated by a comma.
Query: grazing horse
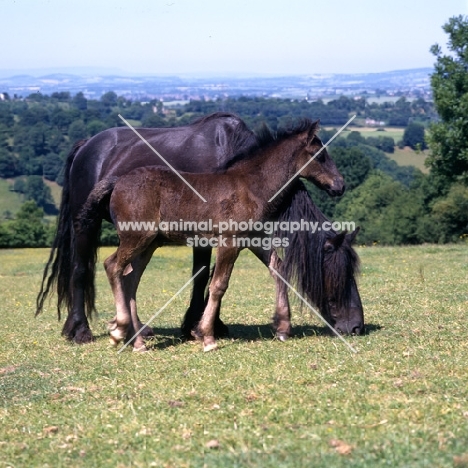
[[207, 145], [323, 265], [239, 194]]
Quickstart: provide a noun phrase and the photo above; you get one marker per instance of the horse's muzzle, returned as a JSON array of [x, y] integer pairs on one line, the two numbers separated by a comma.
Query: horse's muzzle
[[350, 328], [336, 189]]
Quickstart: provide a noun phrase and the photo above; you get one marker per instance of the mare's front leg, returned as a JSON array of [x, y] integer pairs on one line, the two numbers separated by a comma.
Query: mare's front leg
[[282, 315], [225, 259], [201, 258]]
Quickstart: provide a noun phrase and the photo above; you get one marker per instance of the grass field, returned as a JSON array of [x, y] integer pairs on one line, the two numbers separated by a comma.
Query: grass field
[[401, 401], [408, 157], [9, 201], [394, 132]]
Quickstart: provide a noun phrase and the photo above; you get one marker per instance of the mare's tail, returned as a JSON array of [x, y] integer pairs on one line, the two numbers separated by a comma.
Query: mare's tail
[[58, 270]]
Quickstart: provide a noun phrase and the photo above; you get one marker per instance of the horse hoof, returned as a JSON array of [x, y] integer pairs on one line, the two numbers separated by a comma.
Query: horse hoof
[[83, 336], [77, 332], [117, 335], [140, 349], [282, 336], [187, 334], [210, 347], [113, 341]]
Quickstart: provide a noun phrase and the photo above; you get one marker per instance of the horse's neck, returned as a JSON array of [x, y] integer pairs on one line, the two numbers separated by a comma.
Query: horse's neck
[[270, 169]]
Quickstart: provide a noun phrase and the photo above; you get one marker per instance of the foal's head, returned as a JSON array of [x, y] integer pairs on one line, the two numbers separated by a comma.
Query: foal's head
[[318, 166]]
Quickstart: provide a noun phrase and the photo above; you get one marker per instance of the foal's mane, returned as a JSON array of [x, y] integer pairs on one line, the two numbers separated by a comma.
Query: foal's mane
[[266, 137]]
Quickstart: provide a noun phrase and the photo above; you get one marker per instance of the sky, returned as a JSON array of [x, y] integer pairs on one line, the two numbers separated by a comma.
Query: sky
[[223, 37]]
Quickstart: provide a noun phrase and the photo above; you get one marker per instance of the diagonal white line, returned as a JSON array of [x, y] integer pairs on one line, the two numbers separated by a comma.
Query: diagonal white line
[[156, 152], [161, 309], [313, 309], [312, 158]]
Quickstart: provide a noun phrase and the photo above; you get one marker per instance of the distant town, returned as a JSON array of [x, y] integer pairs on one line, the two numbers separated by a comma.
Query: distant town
[[412, 84]]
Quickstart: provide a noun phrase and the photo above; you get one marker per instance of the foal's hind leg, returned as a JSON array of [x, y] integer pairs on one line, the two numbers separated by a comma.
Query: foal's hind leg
[[282, 316], [225, 260], [131, 279], [117, 267]]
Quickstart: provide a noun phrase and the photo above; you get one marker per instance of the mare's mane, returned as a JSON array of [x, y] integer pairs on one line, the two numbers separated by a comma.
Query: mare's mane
[[303, 259]]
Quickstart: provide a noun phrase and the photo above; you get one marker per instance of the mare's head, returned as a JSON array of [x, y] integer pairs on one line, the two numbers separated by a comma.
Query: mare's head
[[341, 304], [317, 165]]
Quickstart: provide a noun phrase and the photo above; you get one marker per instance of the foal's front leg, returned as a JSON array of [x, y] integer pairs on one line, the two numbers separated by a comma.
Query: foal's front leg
[[225, 259], [282, 316]]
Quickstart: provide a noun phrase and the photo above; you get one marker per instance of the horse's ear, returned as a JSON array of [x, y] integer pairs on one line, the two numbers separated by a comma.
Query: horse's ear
[[351, 236], [313, 130], [334, 243]]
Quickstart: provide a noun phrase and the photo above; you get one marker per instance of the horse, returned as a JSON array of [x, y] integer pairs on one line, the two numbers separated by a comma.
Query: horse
[[208, 144], [235, 194], [323, 264]]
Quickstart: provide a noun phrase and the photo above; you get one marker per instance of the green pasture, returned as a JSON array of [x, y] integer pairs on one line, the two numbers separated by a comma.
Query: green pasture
[[394, 132], [9, 201], [401, 401], [409, 157]]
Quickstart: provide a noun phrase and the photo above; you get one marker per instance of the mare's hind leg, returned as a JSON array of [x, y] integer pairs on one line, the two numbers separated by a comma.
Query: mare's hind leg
[[131, 280], [201, 257], [282, 316], [225, 260], [76, 327]]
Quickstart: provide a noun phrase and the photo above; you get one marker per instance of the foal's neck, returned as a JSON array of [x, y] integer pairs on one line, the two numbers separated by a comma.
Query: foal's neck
[[270, 168]]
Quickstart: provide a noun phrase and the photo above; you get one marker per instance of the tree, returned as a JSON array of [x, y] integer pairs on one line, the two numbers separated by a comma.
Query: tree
[[27, 230], [8, 164], [39, 192], [153, 120], [448, 139], [52, 166], [451, 212], [80, 102], [413, 136], [77, 131], [386, 211]]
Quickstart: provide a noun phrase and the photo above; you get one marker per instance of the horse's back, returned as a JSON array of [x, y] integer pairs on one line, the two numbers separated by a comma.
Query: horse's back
[[204, 146]]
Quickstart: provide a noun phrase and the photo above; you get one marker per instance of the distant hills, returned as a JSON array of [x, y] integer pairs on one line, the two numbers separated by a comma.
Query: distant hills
[[95, 82]]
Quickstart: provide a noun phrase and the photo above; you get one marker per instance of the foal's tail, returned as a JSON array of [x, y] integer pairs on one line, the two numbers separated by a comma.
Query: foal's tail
[[92, 210], [58, 270]]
